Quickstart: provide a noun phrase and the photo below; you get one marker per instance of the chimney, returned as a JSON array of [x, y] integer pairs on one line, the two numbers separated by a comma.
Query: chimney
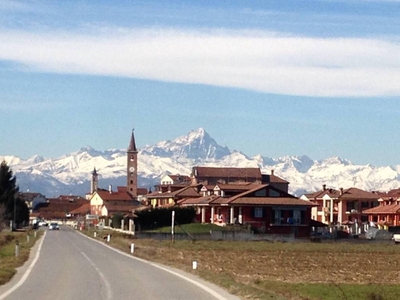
[[324, 187], [341, 191], [272, 172], [110, 188]]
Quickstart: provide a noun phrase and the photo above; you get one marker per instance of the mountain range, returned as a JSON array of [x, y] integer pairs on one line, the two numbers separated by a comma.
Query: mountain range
[[71, 173]]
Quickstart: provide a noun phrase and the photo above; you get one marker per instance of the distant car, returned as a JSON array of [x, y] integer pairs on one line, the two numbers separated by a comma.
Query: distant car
[[54, 226], [43, 223]]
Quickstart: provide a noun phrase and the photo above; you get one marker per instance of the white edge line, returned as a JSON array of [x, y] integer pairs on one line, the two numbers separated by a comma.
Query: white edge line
[[200, 285], [27, 272]]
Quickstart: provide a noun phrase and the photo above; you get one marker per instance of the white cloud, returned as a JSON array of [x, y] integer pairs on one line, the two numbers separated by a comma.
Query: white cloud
[[259, 61]]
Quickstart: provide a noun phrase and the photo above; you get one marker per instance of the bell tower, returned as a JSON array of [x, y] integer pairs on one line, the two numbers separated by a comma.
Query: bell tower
[[132, 167], [95, 181]]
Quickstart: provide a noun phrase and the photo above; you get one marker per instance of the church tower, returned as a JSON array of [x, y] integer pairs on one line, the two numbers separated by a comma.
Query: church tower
[[132, 167], [95, 181]]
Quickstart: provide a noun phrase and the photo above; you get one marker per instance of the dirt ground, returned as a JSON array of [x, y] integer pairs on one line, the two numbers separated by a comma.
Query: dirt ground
[[332, 263]]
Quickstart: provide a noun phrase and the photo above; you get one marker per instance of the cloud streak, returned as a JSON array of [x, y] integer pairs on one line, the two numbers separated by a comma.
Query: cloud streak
[[254, 60]]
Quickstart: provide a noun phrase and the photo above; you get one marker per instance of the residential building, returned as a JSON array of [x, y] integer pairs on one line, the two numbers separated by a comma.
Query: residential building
[[120, 197], [388, 212], [261, 206], [341, 206]]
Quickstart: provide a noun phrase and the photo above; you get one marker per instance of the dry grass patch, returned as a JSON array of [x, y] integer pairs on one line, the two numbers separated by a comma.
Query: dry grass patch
[[8, 262]]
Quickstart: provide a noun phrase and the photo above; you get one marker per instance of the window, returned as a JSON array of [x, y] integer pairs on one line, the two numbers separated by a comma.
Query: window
[[364, 204], [261, 193], [258, 212], [273, 193]]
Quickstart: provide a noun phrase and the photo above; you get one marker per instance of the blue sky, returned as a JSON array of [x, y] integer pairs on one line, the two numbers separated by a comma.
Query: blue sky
[[316, 78]]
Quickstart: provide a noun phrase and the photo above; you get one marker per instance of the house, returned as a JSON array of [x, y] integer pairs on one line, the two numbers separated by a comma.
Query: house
[[175, 180], [32, 199], [58, 208], [172, 194], [341, 206], [120, 197], [261, 206], [388, 212], [176, 187]]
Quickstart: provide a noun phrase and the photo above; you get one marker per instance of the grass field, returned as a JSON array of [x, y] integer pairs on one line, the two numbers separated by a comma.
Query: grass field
[[8, 261], [272, 270]]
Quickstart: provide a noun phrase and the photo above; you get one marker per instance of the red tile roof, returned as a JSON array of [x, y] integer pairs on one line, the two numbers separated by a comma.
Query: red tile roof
[[383, 209], [186, 191], [82, 210], [227, 172], [115, 196], [199, 201], [123, 209], [271, 201], [272, 179], [142, 191], [348, 194]]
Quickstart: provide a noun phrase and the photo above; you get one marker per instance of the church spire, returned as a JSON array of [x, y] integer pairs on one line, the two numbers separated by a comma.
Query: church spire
[[132, 143]]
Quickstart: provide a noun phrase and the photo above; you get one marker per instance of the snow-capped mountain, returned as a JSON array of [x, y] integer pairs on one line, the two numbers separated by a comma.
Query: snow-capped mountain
[[71, 173]]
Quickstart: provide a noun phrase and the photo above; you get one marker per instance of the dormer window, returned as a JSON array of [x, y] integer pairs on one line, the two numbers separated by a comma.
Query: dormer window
[[204, 191], [217, 190]]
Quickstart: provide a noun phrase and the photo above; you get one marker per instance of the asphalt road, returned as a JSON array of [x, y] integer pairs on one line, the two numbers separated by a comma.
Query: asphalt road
[[67, 265]]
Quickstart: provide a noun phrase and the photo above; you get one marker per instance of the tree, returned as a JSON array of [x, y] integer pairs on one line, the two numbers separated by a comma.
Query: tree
[[13, 206]]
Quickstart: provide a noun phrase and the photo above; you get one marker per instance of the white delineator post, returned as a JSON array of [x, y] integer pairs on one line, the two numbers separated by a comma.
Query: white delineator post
[[194, 265], [132, 248], [173, 227], [108, 238], [16, 248]]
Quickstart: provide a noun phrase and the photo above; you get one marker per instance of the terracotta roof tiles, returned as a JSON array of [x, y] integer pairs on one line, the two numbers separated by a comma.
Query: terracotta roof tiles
[[227, 172]]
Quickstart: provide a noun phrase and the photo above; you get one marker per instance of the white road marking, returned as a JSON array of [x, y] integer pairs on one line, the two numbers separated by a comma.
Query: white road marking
[[103, 278], [28, 271]]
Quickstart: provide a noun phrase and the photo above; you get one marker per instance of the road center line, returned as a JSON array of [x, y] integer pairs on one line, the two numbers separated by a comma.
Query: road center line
[[103, 278]]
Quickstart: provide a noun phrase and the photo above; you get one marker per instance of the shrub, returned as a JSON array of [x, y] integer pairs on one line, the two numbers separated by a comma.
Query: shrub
[[161, 217]]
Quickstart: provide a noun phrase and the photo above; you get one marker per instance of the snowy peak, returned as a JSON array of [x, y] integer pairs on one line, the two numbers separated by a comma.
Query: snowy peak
[[197, 145], [71, 173]]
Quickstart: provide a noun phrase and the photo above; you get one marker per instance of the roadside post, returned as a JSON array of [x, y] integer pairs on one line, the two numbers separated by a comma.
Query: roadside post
[[194, 265], [35, 233], [16, 248], [108, 238], [27, 238], [95, 234], [132, 248], [173, 227]]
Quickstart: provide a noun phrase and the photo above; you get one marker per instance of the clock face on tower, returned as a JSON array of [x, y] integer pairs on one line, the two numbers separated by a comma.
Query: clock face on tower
[[132, 169]]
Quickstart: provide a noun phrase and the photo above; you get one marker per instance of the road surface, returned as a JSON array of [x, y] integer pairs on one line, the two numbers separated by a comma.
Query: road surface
[[67, 265]]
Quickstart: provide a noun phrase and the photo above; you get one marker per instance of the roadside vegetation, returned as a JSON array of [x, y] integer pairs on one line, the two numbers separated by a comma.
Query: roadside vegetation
[[8, 261], [276, 270]]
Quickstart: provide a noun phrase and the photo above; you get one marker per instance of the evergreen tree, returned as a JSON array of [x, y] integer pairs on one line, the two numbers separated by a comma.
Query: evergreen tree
[[9, 200]]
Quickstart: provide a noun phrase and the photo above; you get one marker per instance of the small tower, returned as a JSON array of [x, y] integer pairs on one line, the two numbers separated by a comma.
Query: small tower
[[132, 167], [95, 181]]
